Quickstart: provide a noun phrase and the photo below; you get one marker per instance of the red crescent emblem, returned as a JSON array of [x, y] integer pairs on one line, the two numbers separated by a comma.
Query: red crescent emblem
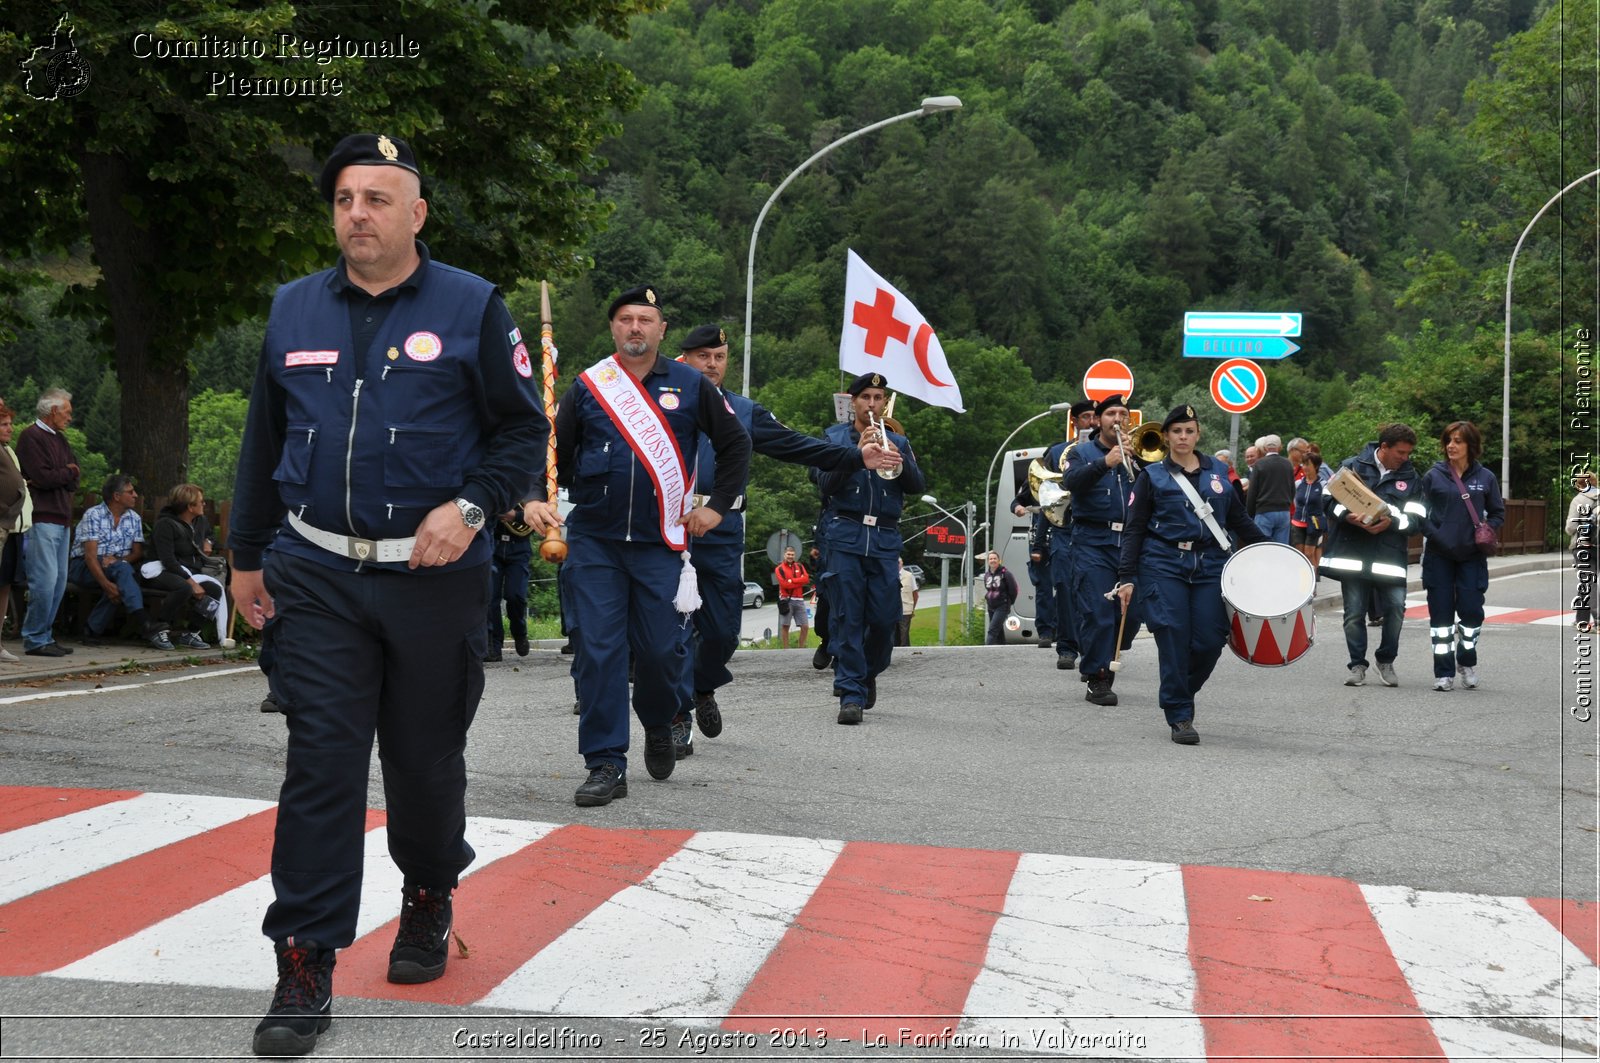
[[919, 347]]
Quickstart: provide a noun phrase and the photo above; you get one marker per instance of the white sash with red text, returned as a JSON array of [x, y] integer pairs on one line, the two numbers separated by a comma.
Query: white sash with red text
[[641, 423]]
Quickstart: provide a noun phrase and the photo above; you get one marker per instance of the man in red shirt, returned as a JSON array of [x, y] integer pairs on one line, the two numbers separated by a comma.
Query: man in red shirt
[[791, 578]]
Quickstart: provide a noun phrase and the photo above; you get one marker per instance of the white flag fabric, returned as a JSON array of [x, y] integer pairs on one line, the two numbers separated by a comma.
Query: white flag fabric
[[884, 333]]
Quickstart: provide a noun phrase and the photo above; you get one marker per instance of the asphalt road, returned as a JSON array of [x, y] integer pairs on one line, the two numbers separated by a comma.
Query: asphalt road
[[1491, 791]]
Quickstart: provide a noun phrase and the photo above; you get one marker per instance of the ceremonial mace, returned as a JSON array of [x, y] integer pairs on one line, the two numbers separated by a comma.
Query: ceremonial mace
[[554, 548]]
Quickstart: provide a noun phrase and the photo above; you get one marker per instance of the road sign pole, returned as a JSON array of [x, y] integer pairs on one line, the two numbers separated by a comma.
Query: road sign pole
[[944, 596], [1233, 442]]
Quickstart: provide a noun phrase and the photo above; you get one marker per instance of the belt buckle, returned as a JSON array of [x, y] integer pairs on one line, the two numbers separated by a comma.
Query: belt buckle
[[869, 520], [1186, 544], [362, 549], [699, 500]]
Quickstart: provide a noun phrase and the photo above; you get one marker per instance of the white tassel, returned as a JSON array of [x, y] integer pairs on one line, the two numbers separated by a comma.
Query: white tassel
[[687, 600]]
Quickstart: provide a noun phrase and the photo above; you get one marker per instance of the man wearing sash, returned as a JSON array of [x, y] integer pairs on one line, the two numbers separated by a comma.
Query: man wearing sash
[[626, 437], [719, 554], [393, 406]]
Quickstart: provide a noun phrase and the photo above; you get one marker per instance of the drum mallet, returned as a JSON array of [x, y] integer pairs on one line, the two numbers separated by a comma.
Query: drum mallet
[[1116, 660]]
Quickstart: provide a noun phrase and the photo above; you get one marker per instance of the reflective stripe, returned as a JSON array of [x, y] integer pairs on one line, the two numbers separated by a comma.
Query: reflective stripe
[[1468, 632], [1416, 507], [1401, 521], [1441, 632], [1344, 564], [1379, 568], [1339, 509], [1441, 648]]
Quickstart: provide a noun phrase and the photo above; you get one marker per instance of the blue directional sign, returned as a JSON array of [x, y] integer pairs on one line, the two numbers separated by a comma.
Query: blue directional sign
[[1240, 323], [1264, 347]]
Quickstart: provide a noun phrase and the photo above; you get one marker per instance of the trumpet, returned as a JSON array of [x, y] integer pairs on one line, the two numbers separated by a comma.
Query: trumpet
[[1145, 444], [882, 431]]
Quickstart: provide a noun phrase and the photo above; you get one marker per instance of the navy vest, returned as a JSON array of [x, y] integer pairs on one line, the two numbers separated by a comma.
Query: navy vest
[[731, 530], [1173, 518], [375, 439]]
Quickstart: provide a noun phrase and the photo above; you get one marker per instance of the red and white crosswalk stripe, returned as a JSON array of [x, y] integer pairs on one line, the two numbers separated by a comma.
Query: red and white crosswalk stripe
[[885, 944], [1417, 609]]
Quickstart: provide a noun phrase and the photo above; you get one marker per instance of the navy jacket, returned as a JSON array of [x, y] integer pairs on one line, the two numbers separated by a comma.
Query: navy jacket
[[1160, 517], [1351, 553], [849, 497], [612, 493], [365, 438], [1449, 527], [1099, 493], [771, 437]]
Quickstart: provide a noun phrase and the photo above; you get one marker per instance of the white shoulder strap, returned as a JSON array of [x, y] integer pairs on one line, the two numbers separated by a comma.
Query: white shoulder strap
[[1202, 508]]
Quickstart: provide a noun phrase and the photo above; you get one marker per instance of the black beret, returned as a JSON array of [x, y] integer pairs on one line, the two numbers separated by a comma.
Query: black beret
[[1082, 406], [643, 295], [1178, 415], [365, 149], [704, 336], [865, 381], [1109, 401]]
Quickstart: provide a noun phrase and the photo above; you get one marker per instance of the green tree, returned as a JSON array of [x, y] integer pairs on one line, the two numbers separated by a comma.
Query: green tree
[[194, 199], [216, 425]]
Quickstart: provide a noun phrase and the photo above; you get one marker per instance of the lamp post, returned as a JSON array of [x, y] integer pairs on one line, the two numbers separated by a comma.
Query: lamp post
[[931, 105], [988, 490], [944, 566], [1505, 387]]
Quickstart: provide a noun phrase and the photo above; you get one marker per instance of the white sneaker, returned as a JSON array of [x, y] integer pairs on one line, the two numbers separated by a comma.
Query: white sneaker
[[1444, 682], [1357, 676], [7, 656], [1469, 677], [1386, 673]]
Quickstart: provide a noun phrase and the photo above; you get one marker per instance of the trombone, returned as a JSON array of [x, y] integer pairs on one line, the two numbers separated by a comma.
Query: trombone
[[1145, 444]]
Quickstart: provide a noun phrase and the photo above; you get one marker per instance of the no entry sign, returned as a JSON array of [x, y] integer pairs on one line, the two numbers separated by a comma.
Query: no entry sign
[[1106, 378]]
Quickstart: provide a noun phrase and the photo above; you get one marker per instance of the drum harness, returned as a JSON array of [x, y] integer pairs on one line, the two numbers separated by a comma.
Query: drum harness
[[1203, 510]]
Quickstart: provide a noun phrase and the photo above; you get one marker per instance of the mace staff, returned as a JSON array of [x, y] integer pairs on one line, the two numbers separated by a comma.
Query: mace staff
[[554, 547]]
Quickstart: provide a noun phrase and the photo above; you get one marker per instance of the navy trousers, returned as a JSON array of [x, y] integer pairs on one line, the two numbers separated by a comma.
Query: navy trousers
[[864, 607], [619, 596], [1094, 572], [1044, 599], [1190, 628], [357, 655], [1061, 588], [719, 568]]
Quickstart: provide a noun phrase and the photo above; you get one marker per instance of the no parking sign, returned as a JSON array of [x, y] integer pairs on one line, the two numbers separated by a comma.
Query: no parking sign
[[1238, 385]]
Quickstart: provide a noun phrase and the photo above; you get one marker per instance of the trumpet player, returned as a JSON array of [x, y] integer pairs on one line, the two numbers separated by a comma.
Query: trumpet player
[[860, 530], [1099, 472]]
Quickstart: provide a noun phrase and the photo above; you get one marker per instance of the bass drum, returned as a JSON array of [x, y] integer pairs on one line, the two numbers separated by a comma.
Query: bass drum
[[1267, 590]]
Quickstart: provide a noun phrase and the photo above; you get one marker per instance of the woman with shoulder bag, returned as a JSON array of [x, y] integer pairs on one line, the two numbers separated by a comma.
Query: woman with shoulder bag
[[1464, 515], [1581, 521]]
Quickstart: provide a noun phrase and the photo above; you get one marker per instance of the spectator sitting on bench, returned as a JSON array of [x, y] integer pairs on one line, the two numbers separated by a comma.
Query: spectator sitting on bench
[[105, 552], [180, 559]]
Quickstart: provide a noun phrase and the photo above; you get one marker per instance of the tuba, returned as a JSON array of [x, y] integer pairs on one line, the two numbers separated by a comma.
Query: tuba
[[1045, 483]]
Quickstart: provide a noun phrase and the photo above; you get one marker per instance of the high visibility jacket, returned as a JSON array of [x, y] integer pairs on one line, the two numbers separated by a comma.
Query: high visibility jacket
[[1355, 554]]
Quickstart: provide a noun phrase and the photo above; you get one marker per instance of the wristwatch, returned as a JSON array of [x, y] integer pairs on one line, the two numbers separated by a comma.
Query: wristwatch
[[471, 514]]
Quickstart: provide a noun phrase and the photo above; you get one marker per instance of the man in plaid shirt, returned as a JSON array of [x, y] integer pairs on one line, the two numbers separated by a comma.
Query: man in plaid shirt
[[106, 551]]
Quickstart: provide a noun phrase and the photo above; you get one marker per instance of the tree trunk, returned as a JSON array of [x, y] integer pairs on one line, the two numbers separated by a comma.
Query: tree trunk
[[154, 379]]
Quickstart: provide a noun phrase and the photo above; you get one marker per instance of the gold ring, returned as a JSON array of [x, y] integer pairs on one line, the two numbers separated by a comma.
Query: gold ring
[[443, 558]]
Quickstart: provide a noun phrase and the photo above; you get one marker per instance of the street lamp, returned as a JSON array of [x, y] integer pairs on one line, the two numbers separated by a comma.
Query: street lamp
[[1505, 387], [988, 491], [931, 105], [944, 566]]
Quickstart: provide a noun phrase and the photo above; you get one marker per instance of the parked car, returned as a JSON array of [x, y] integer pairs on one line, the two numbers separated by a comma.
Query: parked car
[[754, 596], [916, 574]]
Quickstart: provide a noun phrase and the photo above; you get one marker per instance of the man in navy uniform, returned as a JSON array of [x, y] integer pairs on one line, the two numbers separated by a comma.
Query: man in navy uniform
[[861, 530], [394, 405], [627, 436], [1044, 595], [1099, 474], [1083, 421], [508, 582], [719, 554]]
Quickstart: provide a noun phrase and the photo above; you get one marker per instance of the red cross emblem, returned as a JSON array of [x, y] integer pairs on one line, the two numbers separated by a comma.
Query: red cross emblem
[[880, 323]]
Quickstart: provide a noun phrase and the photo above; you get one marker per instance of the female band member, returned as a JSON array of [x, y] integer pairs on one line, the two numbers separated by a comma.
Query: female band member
[[1455, 572], [1173, 560]]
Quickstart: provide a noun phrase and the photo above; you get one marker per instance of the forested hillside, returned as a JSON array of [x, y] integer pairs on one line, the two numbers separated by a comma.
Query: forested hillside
[[1369, 163]]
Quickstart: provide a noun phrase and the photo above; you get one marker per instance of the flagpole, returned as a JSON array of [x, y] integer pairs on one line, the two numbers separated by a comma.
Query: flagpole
[[931, 105]]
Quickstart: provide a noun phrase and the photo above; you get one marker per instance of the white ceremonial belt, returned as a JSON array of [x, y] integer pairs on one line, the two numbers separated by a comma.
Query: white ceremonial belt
[[353, 546]]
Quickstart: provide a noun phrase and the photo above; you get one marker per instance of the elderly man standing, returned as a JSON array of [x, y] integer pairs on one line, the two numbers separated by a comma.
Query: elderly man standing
[[51, 470], [1369, 556], [1271, 493], [393, 407]]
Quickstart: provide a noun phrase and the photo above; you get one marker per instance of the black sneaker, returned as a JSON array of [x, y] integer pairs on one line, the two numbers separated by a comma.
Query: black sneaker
[[822, 658], [49, 649], [1184, 734], [270, 703], [682, 737], [872, 693], [493, 656], [302, 1005], [158, 639], [707, 714], [659, 756], [850, 712], [567, 648], [519, 639], [604, 783], [577, 708], [422, 944], [1100, 692], [1046, 641], [1066, 660]]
